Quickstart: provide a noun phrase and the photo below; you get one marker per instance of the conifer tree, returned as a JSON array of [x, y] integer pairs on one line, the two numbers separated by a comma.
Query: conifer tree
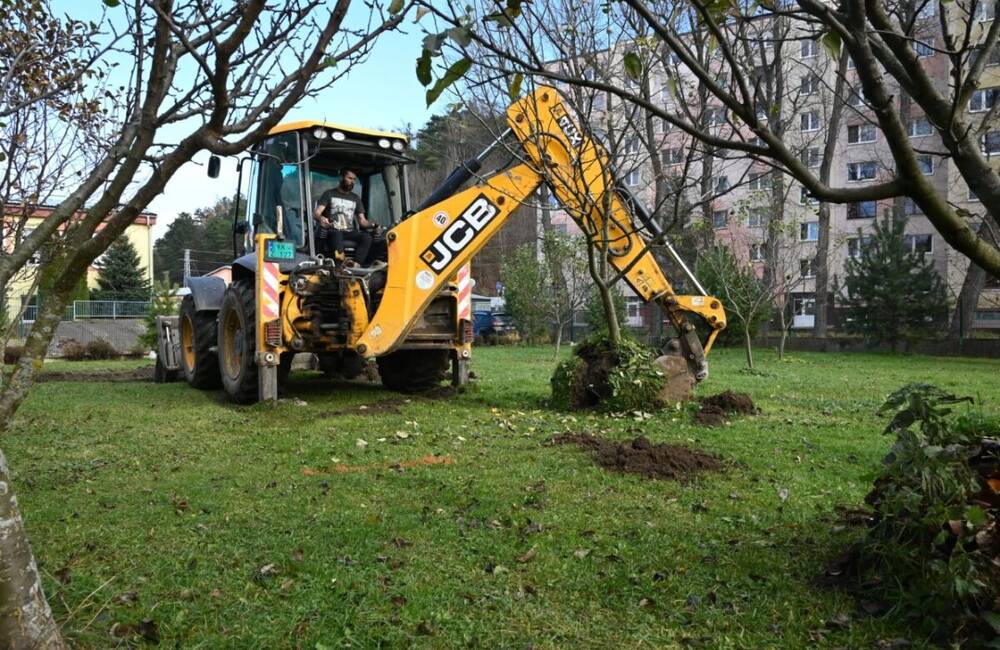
[[893, 293], [120, 275]]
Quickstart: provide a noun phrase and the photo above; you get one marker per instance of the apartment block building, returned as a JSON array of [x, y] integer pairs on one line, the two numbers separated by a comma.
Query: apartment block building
[[734, 195]]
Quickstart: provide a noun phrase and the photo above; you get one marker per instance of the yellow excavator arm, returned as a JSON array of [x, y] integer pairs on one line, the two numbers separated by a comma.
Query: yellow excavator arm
[[427, 249]]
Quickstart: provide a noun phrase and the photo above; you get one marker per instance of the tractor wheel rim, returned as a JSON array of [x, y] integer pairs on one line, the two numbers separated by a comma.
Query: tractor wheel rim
[[187, 341], [232, 344]]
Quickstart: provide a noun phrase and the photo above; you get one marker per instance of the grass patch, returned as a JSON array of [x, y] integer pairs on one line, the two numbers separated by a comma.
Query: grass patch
[[160, 502]]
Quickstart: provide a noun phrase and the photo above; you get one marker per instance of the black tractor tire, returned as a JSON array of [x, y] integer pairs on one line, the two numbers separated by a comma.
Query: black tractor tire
[[412, 371], [198, 332], [238, 342]]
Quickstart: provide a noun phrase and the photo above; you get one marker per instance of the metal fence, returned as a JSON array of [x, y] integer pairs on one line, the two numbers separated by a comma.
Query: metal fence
[[94, 309]]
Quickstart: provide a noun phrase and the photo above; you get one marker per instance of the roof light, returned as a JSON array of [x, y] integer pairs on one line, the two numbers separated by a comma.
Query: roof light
[[320, 133], [384, 143], [339, 136], [398, 145]]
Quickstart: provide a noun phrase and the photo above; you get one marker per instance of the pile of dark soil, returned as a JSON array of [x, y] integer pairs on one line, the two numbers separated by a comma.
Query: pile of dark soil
[[640, 456], [716, 409], [138, 374]]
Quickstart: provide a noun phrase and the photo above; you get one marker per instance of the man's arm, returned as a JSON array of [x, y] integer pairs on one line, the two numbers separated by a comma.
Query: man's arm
[[359, 213], [320, 209]]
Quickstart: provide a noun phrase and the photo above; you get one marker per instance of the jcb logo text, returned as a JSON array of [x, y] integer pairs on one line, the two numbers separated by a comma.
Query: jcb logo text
[[460, 233]]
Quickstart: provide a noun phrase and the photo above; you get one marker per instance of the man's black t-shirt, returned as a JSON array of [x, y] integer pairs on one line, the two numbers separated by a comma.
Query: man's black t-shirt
[[341, 208]]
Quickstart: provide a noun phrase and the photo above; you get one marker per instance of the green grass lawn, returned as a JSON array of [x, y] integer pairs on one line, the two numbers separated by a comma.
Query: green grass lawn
[[160, 502]]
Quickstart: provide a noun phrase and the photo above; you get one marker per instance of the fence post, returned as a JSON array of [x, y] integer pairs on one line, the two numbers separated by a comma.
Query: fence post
[[74, 309], [114, 310]]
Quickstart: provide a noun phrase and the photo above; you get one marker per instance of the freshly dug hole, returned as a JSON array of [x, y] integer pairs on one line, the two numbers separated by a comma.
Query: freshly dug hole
[[716, 409], [640, 456]]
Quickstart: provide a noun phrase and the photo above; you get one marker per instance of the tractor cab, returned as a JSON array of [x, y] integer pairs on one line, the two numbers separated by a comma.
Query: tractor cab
[[298, 162]]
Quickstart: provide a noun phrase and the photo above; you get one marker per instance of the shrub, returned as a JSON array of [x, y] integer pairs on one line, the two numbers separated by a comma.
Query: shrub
[[614, 379], [100, 349], [73, 350], [934, 532]]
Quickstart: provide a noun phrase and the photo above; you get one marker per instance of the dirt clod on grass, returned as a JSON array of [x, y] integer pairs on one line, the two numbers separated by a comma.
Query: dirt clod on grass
[[640, 456], [716, 409], [137, 374]]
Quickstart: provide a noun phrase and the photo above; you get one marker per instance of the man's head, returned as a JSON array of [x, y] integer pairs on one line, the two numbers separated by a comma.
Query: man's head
[[348, 179]]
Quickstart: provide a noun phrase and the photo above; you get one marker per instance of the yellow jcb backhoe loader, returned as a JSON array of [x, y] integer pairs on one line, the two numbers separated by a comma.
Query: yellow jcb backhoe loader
[[408, 306]]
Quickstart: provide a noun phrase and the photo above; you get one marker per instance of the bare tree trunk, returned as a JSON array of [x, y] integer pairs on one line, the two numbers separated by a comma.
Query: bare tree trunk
[[968, 297], [749, 347], [608, 302], [559, 331], [783, 323], [822, 320], [25, 618]]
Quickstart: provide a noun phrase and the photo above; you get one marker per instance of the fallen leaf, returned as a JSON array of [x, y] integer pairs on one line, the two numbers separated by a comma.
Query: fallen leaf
[[581, 553], [361, 444], [286, 584], [298, 554], [267, 570], [529, 556], [216, 593], [783, 494], [402, 435]]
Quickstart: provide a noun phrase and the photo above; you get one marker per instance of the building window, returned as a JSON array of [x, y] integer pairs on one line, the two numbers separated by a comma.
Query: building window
[[991, 142], [632, 146], [805, 198], [809, 231], [983, 100], [928, 10], [672, 156], [926, 164], [758, 181], [850, 63], [985, 10], [860, 133], [757, 252], [715, 116], [976, 52], [924, 48], [664, 126], [600, 102], [804, 306], [810, 85], [919, 127], [856, 244], [757, 217], [910, 207], [807, 268], [634, 311], [633, 178], [861, 210], [721, 184], [810, 157], [810, 121], [856, 98], [861, 171], [719, 219], [808, 48], [920, 243]]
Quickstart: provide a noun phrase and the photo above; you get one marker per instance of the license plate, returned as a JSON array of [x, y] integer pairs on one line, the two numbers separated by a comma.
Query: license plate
[[276, 251]]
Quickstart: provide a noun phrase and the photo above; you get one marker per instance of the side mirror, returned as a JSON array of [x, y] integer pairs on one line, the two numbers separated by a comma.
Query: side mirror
[[214, 164]]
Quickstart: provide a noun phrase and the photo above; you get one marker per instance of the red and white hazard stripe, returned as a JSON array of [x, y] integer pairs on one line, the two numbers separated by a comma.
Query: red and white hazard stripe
[[464, 281], [269, 291]]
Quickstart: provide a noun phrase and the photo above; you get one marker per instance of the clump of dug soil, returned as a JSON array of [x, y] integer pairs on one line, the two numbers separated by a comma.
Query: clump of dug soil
[[640, 456], [716, 409]]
